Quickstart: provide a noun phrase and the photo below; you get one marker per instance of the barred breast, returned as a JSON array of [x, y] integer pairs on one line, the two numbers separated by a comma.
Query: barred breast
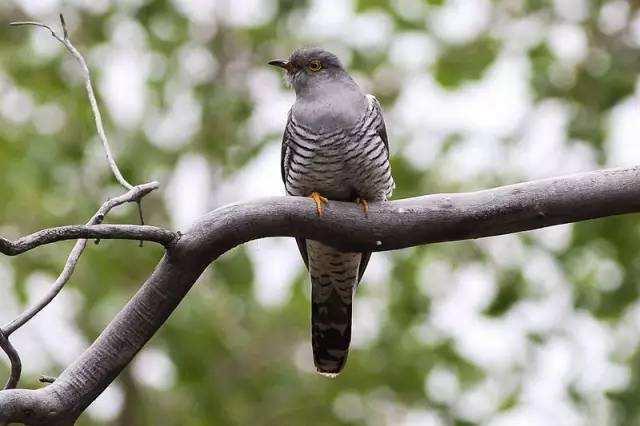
[[341, 165]]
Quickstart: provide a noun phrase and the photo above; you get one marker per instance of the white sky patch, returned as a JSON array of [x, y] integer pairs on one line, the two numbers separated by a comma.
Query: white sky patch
[[592, 364], [271, 103], [528, 415], [303, 358], [122, 86], [43, 46], [174, 127], [189, 190], [442, 385], [413, 51], [572, 10], [247, 13], [568, 43], [541, 315], [327, 18], [506, 251], [613, 16], [634, 29], [368, 315], [369, 31], [422, 150], [544, 151], [551, 372], [424, 106], [261, 177], [38, 7], [479, 402], [197, 64], [153, 368], [471, 158], [49, 119], [519, 35], [200, 11], [554, 238], [16, 105], [349, 407], [108, 405], [435, 277], [495, 345], [67, 343], [124, 67], [377, 276], [623, 128], [542, 271], [276, 262], [460, 21], [411, 10], [97, 7], [420, 417]]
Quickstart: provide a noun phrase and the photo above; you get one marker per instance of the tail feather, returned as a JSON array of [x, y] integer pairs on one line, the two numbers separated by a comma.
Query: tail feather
[[334, 277]]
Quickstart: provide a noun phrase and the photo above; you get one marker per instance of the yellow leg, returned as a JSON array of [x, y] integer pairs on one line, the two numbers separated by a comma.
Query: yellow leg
[[320, 202], [364, 204]]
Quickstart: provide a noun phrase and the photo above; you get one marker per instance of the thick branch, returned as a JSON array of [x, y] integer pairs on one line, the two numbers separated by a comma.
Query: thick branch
[[427, 219], [392, 225]]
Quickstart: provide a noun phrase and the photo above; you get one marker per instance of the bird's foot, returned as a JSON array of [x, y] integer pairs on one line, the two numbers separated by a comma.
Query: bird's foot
[[320, 202], [363, 203]]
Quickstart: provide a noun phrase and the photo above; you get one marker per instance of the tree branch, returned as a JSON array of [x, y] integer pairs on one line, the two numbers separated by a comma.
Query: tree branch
[[133, 195], [97, 116], [391, 225], [14, 361], [74, 232]]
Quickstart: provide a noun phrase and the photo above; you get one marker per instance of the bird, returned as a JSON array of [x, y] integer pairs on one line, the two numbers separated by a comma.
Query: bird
[[334, 147]]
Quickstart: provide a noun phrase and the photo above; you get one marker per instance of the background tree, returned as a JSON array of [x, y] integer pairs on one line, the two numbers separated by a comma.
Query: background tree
[[535, 326]]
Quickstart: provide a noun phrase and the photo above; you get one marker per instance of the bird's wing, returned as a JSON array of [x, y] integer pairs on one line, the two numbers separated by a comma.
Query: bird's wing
[[379, 121], [285, 159], [284, 152], [381, 129]]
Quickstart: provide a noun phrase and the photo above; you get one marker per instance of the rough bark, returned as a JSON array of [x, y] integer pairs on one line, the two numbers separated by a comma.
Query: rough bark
[[388, 226]]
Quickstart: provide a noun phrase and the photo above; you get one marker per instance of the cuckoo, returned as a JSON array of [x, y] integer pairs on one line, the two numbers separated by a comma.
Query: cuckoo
[[334, 147]]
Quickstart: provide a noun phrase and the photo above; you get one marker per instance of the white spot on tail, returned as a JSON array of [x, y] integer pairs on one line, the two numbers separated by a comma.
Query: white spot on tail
[[329, 375]]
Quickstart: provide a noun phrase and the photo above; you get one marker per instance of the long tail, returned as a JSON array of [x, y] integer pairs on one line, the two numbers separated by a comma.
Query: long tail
[[334, 278]]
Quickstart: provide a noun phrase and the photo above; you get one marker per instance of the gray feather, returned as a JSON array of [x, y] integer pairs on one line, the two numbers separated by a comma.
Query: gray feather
[[335, 143]]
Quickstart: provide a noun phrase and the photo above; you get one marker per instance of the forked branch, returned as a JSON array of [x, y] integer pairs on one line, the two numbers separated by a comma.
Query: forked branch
[[392, 225], [134, 194]]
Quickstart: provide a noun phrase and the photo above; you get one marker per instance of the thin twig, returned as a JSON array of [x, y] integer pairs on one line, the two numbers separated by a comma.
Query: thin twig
[[14, 360], [131, 196], [89, 87], [141, 216]]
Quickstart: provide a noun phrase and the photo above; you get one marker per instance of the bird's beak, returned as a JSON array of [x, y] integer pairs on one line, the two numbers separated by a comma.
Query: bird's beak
[[282, 64]]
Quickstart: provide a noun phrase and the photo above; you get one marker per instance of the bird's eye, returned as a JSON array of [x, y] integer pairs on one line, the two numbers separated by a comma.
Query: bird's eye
[[315, 66]]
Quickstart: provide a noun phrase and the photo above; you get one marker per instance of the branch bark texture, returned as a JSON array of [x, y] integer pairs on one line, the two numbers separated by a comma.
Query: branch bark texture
[[388, 226]]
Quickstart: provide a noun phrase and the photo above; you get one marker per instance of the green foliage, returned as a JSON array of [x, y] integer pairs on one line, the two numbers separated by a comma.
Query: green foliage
[[459, 64], [238, 360]]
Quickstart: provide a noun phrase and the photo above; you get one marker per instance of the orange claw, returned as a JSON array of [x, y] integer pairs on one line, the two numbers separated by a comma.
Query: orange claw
[[320, 202], [364, 204]]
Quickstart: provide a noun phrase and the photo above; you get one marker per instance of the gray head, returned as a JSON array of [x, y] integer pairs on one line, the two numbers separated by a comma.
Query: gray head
[[309, 67]]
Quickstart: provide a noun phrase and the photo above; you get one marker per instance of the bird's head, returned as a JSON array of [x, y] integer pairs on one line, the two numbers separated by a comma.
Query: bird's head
[[308, 66]]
